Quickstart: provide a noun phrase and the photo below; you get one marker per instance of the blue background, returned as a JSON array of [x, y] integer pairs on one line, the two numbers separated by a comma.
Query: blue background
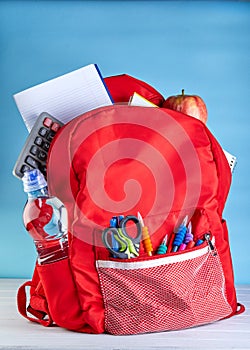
[[203, 47]]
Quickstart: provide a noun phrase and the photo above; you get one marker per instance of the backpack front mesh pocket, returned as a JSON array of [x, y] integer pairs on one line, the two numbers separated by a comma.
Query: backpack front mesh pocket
[[163, 293]]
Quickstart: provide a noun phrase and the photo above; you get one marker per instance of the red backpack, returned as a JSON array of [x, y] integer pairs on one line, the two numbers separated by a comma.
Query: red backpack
[[125, 159]]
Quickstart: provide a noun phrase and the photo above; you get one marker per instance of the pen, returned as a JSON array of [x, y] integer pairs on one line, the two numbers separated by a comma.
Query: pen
[[199, 242], [182, 247], [146, 241], [179, 235], [189, 236], [190, 244], [162, 249]]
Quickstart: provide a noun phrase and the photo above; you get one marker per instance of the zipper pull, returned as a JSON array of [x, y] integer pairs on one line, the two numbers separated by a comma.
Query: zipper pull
[[210, 244]]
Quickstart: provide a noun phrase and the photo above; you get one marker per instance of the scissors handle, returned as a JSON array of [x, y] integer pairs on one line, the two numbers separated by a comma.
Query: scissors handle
[[123, 224], [122, 253]]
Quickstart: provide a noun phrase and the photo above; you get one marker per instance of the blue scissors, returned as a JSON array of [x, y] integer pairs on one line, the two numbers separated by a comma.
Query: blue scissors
[[128, 245]]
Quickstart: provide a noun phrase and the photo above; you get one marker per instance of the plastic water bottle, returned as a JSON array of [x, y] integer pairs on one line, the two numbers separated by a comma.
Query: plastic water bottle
[[45, 218]]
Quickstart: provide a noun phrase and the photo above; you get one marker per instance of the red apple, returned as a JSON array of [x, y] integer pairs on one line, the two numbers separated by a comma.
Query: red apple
[[192, 105]]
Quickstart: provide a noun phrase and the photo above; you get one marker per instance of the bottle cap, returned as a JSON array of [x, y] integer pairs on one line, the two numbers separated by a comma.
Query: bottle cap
[[33, 180]]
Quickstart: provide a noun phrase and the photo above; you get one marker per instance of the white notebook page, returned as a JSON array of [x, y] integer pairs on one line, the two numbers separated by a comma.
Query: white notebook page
[[64, 97]]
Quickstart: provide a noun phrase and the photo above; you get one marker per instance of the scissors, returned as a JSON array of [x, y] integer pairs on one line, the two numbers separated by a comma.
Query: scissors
[[128, 245]]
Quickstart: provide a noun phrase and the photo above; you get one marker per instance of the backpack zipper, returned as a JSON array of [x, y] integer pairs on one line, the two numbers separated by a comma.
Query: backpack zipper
[[207, 237]]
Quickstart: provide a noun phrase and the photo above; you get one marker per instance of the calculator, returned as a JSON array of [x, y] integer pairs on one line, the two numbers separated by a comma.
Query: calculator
[[35, 150]]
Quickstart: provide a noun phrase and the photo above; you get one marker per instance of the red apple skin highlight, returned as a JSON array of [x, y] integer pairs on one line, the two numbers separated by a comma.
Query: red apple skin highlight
[[191, 105]]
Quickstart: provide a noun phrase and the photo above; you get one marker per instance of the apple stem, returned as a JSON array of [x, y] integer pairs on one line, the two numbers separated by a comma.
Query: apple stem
[[182, 92]]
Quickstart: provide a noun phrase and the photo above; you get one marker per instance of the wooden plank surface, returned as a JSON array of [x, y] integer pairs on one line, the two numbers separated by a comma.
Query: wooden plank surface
[[17, 333]]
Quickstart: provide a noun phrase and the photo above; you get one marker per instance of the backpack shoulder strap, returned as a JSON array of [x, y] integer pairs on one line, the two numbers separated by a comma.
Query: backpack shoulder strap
[[37, 306]]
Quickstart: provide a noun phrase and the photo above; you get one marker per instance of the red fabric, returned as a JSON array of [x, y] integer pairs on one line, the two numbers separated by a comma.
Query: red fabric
[[108, 127], [37, 306], [195, 173], [122, 87], [157, 296], [65, 300]]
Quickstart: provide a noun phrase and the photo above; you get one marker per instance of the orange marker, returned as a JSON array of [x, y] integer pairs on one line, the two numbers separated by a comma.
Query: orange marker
[[146, 241]]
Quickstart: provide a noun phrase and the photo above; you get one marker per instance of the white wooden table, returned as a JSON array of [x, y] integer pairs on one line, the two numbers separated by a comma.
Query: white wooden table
[[18, 333]]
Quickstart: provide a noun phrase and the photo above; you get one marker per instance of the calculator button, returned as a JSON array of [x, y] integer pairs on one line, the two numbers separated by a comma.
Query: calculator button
[[43, 169], [55, 127], [34, 150], [38, 141], [50, 136], [47, 122], [32, 162], [42, 156], [42, 132], [24, 168], [46, 146]]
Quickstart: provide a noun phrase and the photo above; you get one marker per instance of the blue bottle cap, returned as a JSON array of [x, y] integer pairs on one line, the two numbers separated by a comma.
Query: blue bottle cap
[[33, 180]]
